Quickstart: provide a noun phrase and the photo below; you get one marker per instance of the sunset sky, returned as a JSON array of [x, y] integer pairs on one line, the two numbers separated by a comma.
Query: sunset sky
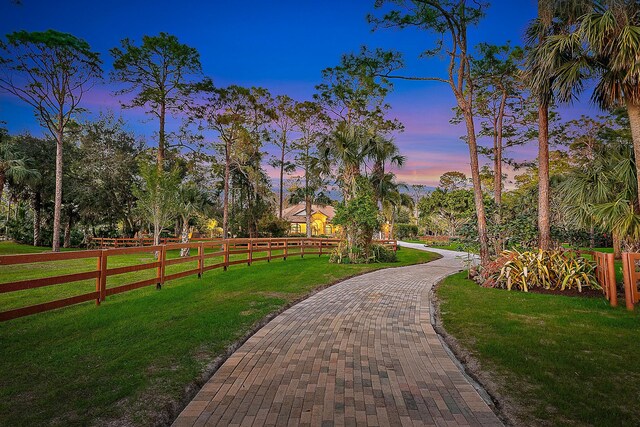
[[283, 46]]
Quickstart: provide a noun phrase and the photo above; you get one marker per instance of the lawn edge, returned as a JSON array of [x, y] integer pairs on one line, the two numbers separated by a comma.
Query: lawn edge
[[481, 380], [173, 409]]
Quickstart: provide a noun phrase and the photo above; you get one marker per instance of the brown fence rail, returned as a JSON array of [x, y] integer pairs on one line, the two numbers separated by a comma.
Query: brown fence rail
[[225, 249], [631, 278]]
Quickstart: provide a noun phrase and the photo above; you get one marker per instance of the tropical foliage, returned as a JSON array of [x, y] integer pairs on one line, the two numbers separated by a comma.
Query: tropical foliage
[[550, 270]]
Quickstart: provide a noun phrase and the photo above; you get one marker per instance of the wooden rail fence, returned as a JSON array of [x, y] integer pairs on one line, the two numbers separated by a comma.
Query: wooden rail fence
[[226, 250], [606, 275]]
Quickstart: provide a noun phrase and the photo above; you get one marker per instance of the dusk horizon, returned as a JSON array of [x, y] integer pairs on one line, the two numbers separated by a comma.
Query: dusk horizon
[[284, 48]]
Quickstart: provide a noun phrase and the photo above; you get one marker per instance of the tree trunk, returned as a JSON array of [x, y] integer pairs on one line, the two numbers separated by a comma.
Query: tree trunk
[[477, 188], [67, 233], [497, 171], [184, 237], [497, 191], [633, 110], [156, 233], [161, 136], [307, 201], [617, 246], [544, 230], [284, 146], [37, 221], [225, 201], [307, 204], [3, 178], [57, 209]]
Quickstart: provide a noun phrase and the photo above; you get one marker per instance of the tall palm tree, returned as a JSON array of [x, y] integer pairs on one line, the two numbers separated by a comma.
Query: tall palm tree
[[383, 152], [554, 17], [349, 146], [606, 45]]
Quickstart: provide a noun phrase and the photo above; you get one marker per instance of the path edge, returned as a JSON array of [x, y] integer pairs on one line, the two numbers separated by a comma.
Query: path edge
[[166, 416], [466, 362]]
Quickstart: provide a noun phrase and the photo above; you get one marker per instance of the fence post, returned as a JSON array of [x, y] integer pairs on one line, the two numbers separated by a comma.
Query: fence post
[[200, 259], [303, 244], [226, 255], [161, 258], [99, 278], [286, 249], [628, 277], [611, 283], [320, 242], [250, 254], [269, 251]]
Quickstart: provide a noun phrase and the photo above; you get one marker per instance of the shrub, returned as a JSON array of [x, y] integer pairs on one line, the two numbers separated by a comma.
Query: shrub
[[377, 253], [555, 270], [359, 220], [405, 231], [381, 253]]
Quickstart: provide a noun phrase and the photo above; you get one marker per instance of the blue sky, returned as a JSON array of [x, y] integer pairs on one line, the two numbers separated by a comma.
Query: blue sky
[[282, 45]]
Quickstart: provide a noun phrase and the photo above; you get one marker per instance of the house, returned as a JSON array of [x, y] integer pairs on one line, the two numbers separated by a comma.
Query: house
[[321, 217]]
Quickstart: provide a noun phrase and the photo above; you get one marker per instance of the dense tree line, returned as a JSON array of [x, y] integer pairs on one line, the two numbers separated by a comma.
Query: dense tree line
[[213, 163], [208, 172]]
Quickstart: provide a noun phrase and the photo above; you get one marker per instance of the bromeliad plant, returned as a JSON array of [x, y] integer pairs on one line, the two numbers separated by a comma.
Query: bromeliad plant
[[554, 270]]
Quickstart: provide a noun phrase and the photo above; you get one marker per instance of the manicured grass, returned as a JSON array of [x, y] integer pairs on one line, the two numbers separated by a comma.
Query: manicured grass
[[562, 360], [451, 246], [127, 359]]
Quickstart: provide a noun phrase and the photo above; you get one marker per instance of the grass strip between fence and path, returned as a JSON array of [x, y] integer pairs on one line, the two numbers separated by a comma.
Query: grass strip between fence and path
[[128, 360], [34, 283]]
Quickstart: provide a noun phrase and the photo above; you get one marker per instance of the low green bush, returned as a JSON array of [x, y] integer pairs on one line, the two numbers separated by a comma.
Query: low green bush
[[381, 253], [377, 253], [405, 231]]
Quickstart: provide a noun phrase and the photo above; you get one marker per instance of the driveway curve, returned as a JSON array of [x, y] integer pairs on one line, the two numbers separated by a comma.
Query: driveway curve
[[361, 352]]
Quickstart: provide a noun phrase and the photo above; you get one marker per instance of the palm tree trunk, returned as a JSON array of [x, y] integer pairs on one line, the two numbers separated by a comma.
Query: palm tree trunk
[[544, 227], [633, 110], [617, 246]]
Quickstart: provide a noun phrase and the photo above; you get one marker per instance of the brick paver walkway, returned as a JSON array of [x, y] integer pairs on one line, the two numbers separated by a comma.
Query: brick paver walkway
[[362, 352]]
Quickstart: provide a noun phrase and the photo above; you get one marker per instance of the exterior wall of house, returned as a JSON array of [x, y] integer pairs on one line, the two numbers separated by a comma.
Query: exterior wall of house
[[319, 226]]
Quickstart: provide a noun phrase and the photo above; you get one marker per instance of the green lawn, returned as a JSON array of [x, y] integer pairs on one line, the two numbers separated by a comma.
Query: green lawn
[[126, 360], [562, 360], [451, 246]]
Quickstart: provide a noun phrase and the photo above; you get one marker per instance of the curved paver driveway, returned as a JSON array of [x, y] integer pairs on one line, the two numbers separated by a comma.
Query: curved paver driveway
[[360, 352]]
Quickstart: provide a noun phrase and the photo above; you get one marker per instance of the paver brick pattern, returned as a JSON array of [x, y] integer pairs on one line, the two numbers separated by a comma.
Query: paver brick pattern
[[362, 352]]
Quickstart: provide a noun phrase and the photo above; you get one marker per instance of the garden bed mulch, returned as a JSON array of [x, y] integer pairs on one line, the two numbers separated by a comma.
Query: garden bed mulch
[[586, 293]]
